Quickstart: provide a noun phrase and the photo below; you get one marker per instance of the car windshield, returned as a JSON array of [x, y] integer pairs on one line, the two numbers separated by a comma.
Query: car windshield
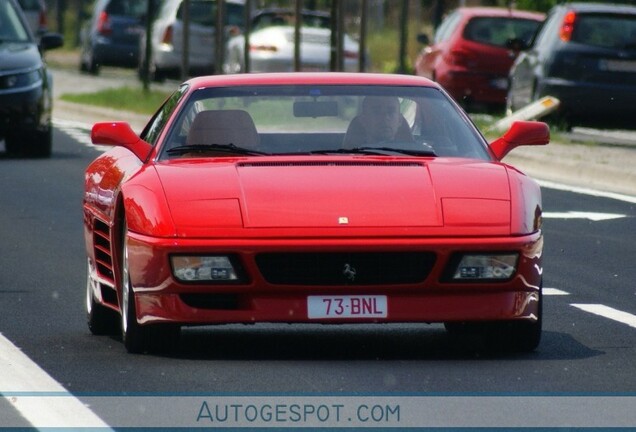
[[606, 30], [11, 27], [322, 119], [499, 31]]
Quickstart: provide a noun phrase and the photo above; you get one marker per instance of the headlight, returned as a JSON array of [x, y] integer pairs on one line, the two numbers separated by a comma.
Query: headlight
[[19, 80], [214, 268], [485, 266]]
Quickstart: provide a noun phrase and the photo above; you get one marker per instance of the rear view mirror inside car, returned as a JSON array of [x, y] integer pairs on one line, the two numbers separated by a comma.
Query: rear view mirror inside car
[[315, 109]]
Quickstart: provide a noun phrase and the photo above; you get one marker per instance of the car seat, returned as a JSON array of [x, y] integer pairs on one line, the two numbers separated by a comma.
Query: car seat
[[224, 127]]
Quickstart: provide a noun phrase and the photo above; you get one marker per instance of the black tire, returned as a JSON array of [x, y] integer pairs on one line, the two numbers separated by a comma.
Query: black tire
[[88, 63], [503, 336], [34, 144], [41, 144], [12, 144], [155, 74], [158, 75], [93, 66], [100, 319], [525, 336], [141, 338]]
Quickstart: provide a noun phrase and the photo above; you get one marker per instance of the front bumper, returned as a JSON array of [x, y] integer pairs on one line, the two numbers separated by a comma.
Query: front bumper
[[160, 298], [607, 104], [24, 109]]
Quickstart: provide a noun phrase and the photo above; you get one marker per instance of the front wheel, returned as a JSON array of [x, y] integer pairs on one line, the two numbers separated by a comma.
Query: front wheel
[[32, 143], [508, 336], [100, 319], [141, 338]]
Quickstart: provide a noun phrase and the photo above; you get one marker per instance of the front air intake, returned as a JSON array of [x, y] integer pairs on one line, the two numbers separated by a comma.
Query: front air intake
[[345, 268]]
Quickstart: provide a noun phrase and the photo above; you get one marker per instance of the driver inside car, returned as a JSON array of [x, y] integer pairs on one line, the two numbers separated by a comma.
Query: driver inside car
[[379, 122]]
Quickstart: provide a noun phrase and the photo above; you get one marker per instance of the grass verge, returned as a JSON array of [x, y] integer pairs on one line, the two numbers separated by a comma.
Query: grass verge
[[123, 98]]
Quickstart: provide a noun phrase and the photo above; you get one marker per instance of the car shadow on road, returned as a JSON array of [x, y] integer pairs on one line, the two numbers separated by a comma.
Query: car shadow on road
[[369, 342], [57, 155]]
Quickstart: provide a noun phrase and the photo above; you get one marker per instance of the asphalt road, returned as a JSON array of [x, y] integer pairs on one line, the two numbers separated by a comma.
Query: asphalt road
[[588, 346]]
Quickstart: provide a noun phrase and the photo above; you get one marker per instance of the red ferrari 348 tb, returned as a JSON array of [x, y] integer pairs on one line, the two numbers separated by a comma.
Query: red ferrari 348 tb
[[311, 198]]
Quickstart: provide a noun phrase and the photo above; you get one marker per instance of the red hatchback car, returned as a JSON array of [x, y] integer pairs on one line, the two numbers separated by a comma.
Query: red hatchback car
[[472, 52]]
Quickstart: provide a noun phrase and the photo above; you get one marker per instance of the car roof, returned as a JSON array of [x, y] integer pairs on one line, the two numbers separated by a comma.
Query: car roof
[[600, 7], [478, 11], [309, 78]]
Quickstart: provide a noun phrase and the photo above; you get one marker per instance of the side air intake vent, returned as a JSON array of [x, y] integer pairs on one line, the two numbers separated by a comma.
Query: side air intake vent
[[103, 257]]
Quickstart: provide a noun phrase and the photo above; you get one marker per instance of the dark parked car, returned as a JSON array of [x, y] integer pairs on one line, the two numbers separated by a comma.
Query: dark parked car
[[111, 38], [473, 49], [584, 55], [25, 85]]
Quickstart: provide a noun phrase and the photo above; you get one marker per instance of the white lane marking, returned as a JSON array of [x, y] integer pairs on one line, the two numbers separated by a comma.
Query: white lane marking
[[608, 312], [21, 383], [582, 215], [587, 191], [72, 124], [554, 292], [80, 132], [597, 309]]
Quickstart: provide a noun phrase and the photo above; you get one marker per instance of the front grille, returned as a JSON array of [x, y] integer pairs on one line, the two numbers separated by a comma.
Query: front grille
[[360, 268], [211, 301]]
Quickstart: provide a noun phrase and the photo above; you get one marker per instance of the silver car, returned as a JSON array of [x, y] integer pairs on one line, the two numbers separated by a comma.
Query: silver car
[[272, 44], [167, 37]]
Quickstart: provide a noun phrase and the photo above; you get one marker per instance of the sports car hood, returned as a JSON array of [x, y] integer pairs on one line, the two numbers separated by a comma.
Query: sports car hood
[[16, 56], [332, 193]]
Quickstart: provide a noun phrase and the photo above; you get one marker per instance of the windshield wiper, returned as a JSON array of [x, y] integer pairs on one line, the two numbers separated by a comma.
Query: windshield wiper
[[410, 152], [369, 150], [218, 148]]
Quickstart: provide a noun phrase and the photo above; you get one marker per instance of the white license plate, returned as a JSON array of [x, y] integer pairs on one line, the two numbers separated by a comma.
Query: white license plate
[[358, 306]]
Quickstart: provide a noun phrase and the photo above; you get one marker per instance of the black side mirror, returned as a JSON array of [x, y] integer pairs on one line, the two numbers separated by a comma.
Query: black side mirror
[[50, 41]]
